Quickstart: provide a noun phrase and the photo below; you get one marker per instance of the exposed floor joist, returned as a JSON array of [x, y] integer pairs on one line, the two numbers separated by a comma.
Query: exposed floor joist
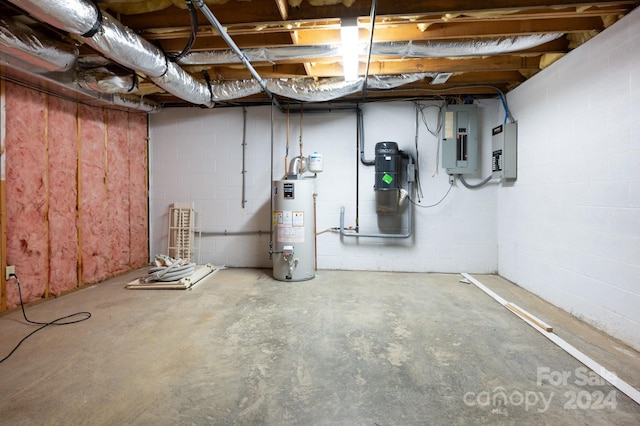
[[278, 24]]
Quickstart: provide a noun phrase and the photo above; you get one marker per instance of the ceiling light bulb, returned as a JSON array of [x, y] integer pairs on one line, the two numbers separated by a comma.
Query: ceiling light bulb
[[350, 49]]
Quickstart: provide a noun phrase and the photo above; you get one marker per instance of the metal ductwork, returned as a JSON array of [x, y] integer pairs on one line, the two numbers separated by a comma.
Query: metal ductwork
[[21, 42], [86, 22], [429, 49], [458, 49], [64, 86], [27, 57], [227, 39], [105, 78], [25, 49]]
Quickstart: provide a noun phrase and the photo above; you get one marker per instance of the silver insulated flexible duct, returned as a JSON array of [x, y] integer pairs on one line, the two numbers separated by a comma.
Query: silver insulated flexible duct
[[28, 57], [84, 20], [30, 47], [410, 49]]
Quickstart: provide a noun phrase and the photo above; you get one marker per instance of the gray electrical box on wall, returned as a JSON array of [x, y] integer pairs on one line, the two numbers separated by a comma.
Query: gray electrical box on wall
[[504, 159], [460, 139]]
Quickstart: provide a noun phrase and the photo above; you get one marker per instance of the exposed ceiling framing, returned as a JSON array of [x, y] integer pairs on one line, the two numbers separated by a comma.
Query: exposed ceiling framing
[[277, 24]]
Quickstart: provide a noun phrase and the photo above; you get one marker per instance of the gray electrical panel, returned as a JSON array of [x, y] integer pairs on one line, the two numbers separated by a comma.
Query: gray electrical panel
[[504, 142], [460, 139]]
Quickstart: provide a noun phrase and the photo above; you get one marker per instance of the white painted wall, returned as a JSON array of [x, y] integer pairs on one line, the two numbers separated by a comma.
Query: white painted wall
[[196, 155], [569, 228]]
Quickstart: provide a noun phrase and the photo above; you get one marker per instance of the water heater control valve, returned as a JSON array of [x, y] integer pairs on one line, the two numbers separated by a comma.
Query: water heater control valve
[[287, 250]]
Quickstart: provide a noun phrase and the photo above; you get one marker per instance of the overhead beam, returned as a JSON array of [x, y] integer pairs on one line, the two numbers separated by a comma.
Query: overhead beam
[[265, 11], [232, 12], [168, 28], [495, 63], [411, 7], [456, 30]]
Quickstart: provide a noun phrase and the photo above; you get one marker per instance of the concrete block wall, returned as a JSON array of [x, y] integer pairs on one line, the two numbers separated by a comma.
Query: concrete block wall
[[196, 155], [569, 228]]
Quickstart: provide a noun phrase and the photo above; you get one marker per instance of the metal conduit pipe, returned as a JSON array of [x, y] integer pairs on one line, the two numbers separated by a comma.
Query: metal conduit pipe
[[244, 154], [270, 189], [372, 18], [223, 33], [86, 21], [360, 131], [226, 233]]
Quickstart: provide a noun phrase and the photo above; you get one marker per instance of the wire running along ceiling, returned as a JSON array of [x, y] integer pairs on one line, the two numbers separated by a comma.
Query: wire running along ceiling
[[166, 53]]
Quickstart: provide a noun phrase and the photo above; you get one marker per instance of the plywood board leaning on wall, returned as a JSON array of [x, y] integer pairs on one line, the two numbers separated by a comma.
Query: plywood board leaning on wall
[[76, 184]]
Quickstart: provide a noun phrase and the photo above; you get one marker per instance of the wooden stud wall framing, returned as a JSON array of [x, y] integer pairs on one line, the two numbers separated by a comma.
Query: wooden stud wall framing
[[3, 246], [78, 194], [46, 191], [122, 139], [3, 203]]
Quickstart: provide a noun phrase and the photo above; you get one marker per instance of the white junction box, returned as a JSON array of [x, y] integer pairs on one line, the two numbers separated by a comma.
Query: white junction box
[[10, 270], [504, 159]]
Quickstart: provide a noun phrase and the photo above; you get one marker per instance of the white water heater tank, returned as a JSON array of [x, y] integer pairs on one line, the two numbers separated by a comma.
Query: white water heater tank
[[293, 230]]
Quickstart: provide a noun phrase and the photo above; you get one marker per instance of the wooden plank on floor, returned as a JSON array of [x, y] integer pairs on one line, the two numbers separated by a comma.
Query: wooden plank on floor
[[595, 366], [522, 313]]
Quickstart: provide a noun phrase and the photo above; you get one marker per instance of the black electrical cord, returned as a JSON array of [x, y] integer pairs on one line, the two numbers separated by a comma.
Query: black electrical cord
[[57, 321], [207, 79], [193, 15], [96, 25]]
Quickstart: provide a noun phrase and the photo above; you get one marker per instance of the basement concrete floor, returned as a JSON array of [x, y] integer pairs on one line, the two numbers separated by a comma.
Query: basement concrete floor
[[347, 348]]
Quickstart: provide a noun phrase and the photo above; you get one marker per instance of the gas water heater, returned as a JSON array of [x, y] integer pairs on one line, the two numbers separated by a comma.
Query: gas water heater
[[294, 230]]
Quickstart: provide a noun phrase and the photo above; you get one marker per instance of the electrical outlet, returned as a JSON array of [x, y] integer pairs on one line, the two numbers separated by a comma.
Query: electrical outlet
[[452, 179], [9, 270]]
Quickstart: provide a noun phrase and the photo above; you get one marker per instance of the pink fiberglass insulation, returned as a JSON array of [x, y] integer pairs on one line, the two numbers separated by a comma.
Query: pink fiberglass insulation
[[118, 191], [66, 161], [138, 200], [26, 192], [63, 165], [93, 195]]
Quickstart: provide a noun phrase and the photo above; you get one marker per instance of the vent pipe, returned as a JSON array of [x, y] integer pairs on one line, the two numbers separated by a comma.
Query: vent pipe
[[89, 24], [223, 33]]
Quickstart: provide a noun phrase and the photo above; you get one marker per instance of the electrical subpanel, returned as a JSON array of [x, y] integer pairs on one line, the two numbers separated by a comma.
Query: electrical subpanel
[[460, 139], [504, 142]]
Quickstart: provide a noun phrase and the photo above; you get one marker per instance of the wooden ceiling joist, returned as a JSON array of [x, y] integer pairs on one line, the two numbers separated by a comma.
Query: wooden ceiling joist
[[275, 23]]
